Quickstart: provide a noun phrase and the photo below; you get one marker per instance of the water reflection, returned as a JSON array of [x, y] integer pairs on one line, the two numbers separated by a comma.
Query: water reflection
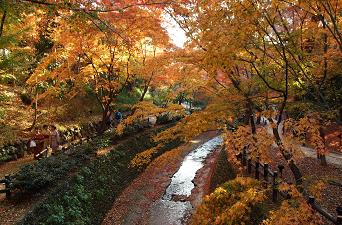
[[173, 207]]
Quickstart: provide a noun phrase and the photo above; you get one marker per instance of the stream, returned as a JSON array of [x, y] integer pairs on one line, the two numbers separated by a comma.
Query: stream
[[173, 207]]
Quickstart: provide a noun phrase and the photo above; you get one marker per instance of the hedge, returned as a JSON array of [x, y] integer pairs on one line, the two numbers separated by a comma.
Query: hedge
[[87, 196]]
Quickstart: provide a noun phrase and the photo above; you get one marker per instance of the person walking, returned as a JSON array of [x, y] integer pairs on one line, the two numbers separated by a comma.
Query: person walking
[[47, 136], [37, 143], [118, 116], [54, 139], [32, 144]]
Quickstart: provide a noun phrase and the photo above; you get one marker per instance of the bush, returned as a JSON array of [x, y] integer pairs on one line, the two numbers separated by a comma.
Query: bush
[[4, 97], [239, 201], [47, 171], [7, 79], [8, 135], [90, 193], [2, 113], [25, 98], [298, 110], [32, 178]]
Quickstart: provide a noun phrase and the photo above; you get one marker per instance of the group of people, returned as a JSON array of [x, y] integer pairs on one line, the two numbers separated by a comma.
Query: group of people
[[43, 139], [47, 137]]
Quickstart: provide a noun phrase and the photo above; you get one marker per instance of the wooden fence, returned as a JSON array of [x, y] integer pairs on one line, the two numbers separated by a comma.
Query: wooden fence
[[263, 171], [7, 183]]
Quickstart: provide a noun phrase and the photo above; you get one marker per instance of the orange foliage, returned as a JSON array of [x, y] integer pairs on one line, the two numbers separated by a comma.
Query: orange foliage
[[232, 203]]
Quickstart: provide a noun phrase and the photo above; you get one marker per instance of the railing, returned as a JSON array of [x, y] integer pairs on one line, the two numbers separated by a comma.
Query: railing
[[274, 177], [7, 182]]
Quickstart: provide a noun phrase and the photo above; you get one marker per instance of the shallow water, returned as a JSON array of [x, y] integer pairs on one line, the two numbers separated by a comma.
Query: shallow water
[[170, 211]]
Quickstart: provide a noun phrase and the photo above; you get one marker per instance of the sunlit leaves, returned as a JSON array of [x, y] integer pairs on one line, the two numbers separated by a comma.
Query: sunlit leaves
[[232, 203], [293, 211], [146, 109]]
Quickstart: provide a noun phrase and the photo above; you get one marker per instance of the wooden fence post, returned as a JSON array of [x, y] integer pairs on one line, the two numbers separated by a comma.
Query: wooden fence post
[[239, 156], [281, 168], [266, 167], [249, 166], [339, 215], [274, 187], [244, 157], [311, 200], [8, 186], [257, 165]]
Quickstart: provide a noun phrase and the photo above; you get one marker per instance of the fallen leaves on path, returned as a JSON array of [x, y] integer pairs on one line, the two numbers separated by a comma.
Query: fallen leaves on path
[[133, 205]]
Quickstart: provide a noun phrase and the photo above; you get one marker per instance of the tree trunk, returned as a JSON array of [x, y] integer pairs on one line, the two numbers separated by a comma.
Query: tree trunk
[[2, 22], [288, 157], [105, 119], [252, 124], [35, 109], [258, 119], [34, 119], [323, 160], [144, 93], [146, 87], [322, 157]]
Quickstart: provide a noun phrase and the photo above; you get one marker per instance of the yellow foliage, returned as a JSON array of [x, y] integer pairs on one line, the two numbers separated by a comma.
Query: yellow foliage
[[169, 158], [306, 129], [293, 212], [213, 117], [144, 109], [143, 158], [316, 189], [258, 145], [232, 203]]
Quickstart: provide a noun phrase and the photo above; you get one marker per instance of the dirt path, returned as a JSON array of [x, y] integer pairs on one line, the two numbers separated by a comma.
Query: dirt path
[[14, 166], [334, 158], [134, 205]]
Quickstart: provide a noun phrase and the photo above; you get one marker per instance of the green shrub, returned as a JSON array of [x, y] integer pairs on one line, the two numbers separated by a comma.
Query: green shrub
[[26, 98], [8, 135], [4, 97], [2, 113], [223, 171], [90, 193], [47, 171], [298, 110], [7, 79]]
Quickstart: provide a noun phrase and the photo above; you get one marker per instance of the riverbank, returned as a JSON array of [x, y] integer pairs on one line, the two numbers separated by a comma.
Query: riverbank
[[134, 205]]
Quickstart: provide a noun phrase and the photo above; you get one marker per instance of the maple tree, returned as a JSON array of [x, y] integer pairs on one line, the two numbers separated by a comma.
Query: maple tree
[[257, 54], [252, 60], [262, 53], [103, 61]]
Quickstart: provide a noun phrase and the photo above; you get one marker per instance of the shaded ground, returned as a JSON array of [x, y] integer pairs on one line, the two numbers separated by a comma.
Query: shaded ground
[[13, 210], [334, 156], [14, 166], [134, 205], [330, 196]]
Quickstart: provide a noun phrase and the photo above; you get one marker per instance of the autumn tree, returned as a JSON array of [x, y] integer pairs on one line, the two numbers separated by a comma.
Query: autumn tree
[[99, 52]]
